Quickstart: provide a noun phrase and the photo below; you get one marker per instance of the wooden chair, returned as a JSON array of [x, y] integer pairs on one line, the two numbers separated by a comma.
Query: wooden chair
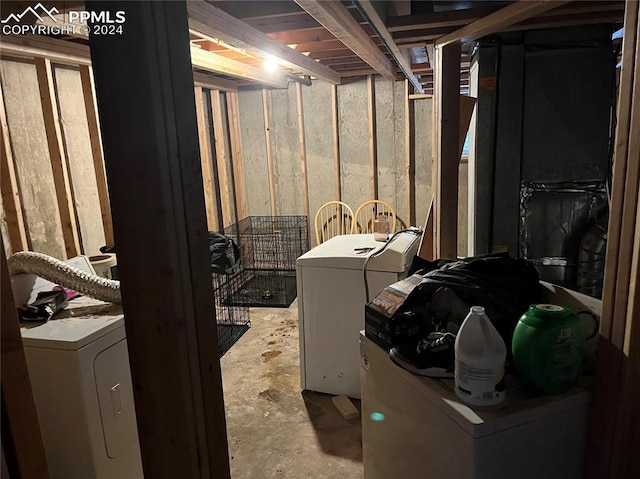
[[367, 212], [332, 219]]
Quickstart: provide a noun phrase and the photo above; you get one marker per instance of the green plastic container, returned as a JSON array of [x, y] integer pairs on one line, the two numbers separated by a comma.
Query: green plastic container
[[548, 348]]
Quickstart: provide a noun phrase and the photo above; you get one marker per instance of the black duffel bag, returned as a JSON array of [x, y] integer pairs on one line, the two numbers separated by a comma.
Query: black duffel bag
[[225, 254]]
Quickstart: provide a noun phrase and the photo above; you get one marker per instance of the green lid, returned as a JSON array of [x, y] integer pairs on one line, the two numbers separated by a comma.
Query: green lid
[[545, 315]]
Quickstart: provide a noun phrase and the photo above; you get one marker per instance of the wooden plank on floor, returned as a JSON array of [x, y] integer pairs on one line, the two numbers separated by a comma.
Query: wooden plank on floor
[[205, 161], [150, 140], [17, 394], [410, 155], [11, 201], [303, 152], [88, 91], [224, 186], [270, 165], [447, 105], [57, 156], [373, 142], [337, 181], [236, 155]]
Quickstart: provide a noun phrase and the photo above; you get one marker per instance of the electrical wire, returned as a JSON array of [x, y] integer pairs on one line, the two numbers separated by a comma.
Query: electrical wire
[[416, 231]]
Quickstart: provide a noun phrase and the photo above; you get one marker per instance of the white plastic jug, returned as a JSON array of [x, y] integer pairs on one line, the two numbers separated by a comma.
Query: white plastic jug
[[480, 356]]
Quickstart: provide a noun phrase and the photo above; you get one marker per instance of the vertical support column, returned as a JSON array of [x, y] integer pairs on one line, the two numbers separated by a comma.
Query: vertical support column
[[337, 180], [236, 155], [10, 193], [205, 161], [303, 152], [373, 144], [58, 158], [410, 154], [88, 92], [221, 159], [447, 107], [270, 165], [144, 87]]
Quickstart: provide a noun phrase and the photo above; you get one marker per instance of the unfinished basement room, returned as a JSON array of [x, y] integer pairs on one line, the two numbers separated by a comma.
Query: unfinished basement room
[[327, 239]]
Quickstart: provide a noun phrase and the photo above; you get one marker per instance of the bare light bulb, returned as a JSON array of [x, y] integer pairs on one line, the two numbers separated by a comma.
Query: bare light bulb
[[270, 64]]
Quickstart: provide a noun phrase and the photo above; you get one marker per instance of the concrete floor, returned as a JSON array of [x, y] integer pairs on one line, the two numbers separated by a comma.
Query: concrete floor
[[275, 430]]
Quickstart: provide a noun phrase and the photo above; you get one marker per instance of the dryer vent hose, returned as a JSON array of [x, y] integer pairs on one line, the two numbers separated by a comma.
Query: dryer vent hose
[[61, 273]]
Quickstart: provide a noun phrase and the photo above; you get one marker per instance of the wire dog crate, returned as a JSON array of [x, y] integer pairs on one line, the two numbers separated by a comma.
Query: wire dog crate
[[269, 247], [232, 321]]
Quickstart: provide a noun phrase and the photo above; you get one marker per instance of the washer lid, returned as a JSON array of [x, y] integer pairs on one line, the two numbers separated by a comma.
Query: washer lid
[[83, 322]]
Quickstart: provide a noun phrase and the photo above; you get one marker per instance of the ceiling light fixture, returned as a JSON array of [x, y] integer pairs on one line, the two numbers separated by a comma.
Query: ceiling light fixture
[[271, 63]]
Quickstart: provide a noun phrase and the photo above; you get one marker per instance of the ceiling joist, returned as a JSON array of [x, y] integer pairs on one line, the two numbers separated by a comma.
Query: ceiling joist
[[213, 83], [499, 20], [213, 22], [378, 24], [335, 17], [218, 64]]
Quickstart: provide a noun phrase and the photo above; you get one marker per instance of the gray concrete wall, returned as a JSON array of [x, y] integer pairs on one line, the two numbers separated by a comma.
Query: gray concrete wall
[[423, 146]]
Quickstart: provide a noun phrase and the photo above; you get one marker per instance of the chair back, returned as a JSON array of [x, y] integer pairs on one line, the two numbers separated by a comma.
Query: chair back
[[367, 213], [332, 219]]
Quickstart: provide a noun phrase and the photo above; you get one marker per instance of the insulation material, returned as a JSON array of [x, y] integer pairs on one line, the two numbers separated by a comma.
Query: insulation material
[[316, 101], [254, 151], [353, 127], [285, 150], [31, 157], [80, 159]]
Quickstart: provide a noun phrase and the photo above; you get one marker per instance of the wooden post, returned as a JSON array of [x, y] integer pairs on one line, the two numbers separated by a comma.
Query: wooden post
[[17, 395], [236, 155], [58, 158], [303, 152], [144, 87], [205, 161], [447, 111], [270, 165], [88, 91], [373, 144], [337, 182], [10, 193], [221, 159]]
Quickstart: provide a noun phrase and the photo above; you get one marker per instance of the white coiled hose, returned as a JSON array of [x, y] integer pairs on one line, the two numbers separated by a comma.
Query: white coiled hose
[[61, 273]]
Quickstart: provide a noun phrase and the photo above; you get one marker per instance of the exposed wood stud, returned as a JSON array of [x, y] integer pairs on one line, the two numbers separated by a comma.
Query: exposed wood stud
[[410, 155], [336, 18], [336, 143], [236, 155], [447, 105], [379, 23], [225, 189], [205, 161], [497, 21], [419, 96], [11, 201], [93, 121], [59, 165], [303, 151], [17, 394], [373, 143], [270, 165]]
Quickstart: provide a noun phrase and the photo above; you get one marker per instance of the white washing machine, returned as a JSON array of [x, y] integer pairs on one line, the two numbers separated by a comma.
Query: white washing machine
[[331, 301], [81, 381]]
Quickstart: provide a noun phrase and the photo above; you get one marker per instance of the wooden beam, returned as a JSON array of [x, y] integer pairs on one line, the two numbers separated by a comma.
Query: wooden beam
[[335, 131], [57, 156], [205, 162], [34, 46], [270, 166], [410, 155], [207, 19], [17, 394], [222, 155], [93, 122], [214, 83], [219, 64], [373, 144], [150, 142], [303, 152], [338, 20], [236, 155], [497, 21], [419, 96], [448, 18], [447, 107], [11, 201], [378, 23]]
